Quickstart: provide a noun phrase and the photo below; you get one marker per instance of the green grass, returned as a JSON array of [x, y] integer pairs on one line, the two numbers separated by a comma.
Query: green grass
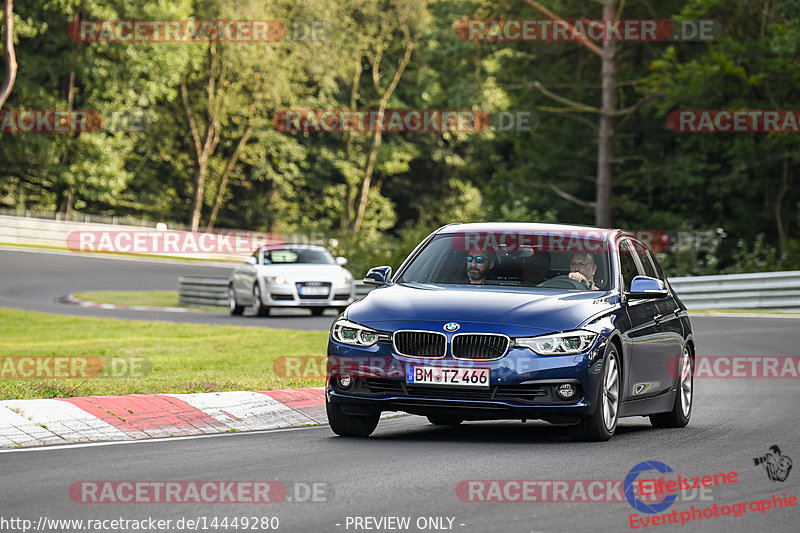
[[148, 298], [183, 357]]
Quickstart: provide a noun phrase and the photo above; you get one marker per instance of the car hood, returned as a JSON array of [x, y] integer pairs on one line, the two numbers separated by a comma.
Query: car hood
[[304, 272], [518, 310]]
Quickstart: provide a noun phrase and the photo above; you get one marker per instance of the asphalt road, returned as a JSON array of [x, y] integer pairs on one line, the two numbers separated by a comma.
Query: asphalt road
[[35, 280], [409, 468]]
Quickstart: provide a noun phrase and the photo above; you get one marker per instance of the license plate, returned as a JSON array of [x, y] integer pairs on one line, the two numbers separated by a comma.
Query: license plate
[[437, 375], [313, 291]]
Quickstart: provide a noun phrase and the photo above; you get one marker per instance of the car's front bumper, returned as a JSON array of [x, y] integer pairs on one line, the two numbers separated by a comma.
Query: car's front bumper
[[522, 384], [288, 295]]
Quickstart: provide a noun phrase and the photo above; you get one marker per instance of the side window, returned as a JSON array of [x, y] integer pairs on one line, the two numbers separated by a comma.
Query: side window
[[644, 258], [627, 264]]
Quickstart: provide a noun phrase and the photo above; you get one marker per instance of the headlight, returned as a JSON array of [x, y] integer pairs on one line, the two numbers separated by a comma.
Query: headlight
[[354, 334], [345, 279], [571, 342], [276, 280]]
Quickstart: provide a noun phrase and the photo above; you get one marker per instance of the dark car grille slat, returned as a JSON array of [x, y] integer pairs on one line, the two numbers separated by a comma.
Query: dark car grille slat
[[469, 346], [528, 393], [420, 343]]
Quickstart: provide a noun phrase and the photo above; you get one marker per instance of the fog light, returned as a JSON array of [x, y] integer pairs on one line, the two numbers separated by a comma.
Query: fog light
[[566, 391], [345, 381]]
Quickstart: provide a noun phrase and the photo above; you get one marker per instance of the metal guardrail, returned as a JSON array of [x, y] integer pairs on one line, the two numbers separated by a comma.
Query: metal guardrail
[[213, 292], [760, 290], [203, 292]]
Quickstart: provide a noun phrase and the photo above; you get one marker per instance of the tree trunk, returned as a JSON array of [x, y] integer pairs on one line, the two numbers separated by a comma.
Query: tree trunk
[[377, 138], [223, 182], [779, 219], [11, 57], [203, 150], [605, 140]]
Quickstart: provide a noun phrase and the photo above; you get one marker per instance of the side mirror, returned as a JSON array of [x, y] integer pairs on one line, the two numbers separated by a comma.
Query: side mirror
[[250, 260], [644, 287], [341, 261], [378, 276]]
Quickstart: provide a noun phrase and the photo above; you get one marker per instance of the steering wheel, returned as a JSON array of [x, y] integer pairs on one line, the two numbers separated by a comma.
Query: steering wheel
[[563, 282]]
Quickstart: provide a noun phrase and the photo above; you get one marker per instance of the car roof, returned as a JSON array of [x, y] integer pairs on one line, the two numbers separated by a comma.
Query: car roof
[[528, 227], [290, 246]]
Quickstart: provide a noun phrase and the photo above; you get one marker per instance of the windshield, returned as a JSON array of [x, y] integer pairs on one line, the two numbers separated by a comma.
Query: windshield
[[577, 263], [298, 255]]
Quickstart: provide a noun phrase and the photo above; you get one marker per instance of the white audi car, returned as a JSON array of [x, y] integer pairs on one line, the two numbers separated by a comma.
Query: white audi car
[[287, 275]]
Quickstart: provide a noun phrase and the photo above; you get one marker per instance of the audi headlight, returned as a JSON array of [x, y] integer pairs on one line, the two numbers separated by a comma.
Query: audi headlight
[[276, 280], [354, 334], [569, 343]]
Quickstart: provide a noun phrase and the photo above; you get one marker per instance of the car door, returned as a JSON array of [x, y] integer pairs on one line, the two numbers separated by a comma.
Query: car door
[[668, 314], [244, 276], [647, 342]]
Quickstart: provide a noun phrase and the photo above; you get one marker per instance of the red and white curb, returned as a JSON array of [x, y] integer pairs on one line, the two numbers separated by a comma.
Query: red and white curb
[[71, 299], [137, 416]]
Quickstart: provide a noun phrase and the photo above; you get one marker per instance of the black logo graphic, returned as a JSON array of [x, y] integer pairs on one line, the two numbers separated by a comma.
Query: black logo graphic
[[777, 466]]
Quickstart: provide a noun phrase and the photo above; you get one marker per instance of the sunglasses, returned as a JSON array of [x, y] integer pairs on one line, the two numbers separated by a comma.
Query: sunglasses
[[477, 258]]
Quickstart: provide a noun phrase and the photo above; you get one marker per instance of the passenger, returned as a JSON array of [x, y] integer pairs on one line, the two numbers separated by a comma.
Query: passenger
[[535, 268], [479, 265], [582, 268]]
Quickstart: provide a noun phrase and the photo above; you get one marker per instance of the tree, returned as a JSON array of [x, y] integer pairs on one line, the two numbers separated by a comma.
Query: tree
[[11, 58]]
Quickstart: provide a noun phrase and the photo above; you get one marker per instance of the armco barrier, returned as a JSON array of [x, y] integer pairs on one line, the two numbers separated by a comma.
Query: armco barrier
[[203, 292], [760, 290], [213, 292]]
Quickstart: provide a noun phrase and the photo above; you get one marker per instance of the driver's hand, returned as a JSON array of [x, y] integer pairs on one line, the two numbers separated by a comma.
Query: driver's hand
[[577, 276]]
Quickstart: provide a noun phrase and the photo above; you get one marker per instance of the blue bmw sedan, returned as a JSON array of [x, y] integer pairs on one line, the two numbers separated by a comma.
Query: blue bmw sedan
[[572, 325]]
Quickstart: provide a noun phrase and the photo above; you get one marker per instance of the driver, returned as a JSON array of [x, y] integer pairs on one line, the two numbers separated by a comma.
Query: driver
[[582, 268], [479, 265]]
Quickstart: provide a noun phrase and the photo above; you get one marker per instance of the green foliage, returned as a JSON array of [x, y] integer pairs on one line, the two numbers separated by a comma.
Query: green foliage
[[293, 182]]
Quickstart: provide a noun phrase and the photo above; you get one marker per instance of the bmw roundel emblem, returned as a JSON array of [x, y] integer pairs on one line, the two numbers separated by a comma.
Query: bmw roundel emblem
[[452, 326]]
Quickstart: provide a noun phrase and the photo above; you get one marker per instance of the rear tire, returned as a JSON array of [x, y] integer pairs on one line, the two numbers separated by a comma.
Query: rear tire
[[682, 407], [259, 309], [602, 424], [351, 425], [233, 305], [444, 420]]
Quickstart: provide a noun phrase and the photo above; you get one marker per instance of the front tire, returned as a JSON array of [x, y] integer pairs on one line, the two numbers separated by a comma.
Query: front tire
[[351, 425], [602, 424], [233, 305], [682, 407], [259, 309]]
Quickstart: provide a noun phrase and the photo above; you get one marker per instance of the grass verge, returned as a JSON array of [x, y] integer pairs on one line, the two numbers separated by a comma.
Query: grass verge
[[148, 298], [182, 357]]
